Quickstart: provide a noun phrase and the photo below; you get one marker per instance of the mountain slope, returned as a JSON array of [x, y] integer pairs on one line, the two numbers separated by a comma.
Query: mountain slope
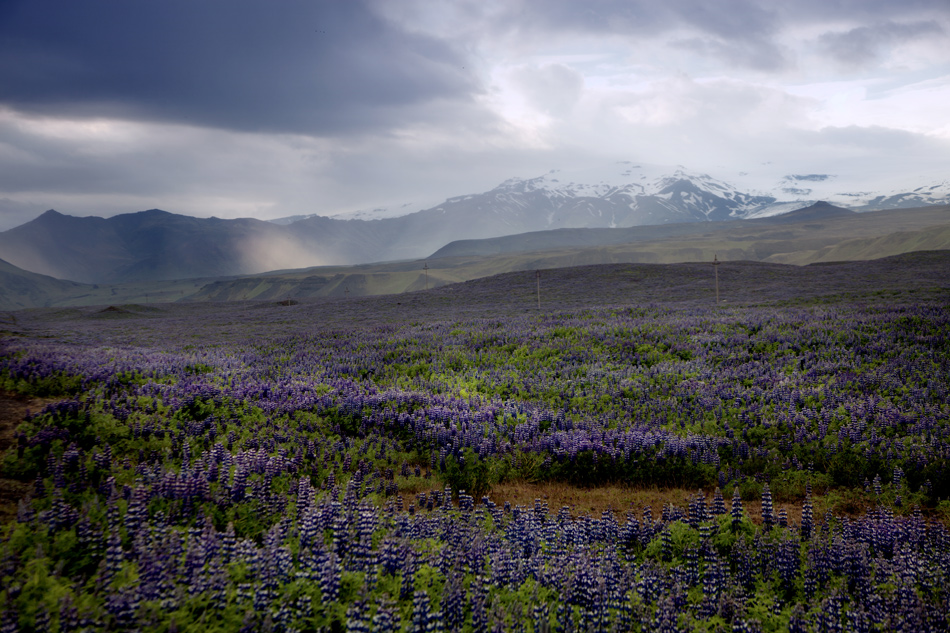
[[579, 238], [817, 234], [22, 289], [156, 245]]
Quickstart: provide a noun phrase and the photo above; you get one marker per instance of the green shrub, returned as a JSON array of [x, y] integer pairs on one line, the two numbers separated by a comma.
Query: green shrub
[[471, 474]]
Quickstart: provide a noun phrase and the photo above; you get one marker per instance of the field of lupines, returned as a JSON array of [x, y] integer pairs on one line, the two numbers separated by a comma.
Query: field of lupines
[[278, 468]]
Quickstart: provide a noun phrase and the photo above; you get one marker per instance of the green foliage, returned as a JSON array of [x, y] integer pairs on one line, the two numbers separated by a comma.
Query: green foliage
[[589, 469], [23, 465], [537, 383], [848, 468], [727, 535], [57, 384], [470, 473], [525, 466], [767, 610], [750, 490], [682, 537], [942, 511]]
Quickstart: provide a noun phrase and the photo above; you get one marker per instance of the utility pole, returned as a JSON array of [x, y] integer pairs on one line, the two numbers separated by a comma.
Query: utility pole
[[426, 268], [346, 291], [537, 275], [716, 268]]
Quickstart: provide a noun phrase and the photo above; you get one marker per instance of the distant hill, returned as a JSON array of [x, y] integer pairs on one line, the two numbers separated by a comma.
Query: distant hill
[[150, 245], [819, 211], [22, 289], [809, 229], [821, 233]]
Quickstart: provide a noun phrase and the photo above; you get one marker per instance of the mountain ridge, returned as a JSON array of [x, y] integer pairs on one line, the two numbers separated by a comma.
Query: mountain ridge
[[158, 245], [758, 195]]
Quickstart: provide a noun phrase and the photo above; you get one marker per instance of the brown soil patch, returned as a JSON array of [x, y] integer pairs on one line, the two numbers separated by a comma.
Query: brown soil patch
[[618, 499], [13, 409], [621, 499]]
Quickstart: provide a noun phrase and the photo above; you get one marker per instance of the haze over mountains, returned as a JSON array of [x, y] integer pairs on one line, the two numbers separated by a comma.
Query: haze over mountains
[[156, 245]]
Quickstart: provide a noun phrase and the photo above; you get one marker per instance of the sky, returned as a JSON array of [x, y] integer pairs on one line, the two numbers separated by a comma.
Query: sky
[[273, 108]]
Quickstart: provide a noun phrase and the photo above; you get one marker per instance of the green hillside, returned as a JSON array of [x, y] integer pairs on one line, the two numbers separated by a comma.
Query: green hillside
[[22, 289], [813, 235]]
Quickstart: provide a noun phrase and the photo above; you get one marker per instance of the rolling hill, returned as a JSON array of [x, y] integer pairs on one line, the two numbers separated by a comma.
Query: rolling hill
[[22, 289], [808, 229], [820, 233]]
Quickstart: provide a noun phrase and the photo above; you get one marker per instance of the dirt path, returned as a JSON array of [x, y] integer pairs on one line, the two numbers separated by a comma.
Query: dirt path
[[13, 408]]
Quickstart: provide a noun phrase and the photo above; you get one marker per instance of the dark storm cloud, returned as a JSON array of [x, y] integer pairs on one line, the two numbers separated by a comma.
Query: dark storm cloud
[[863, 45], [863, 10], [741, 33], [738, 31], [317, 67], [36, 162], [728, 19]]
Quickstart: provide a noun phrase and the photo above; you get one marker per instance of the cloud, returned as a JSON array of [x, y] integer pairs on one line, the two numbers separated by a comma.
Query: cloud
[[862, 11], [759, 35], [551, 88], [104, 167], [728, 18], [865, 45], [753, 53], [322, 68], [244, 108], [874, 138], [699, 123], [739, 32]]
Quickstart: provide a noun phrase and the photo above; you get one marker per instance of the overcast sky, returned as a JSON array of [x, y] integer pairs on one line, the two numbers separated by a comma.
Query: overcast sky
[[240, 108]]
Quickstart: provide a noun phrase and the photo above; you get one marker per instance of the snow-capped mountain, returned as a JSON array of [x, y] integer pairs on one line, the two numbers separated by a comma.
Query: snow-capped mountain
[[624, 194], [618, 195], [632, 194], [847, 191]]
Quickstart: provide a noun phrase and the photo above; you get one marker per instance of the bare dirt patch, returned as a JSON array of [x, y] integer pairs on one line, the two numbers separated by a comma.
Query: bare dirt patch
[[622, 499]]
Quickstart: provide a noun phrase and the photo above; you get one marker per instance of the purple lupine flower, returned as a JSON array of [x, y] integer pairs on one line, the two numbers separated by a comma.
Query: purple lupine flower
[[768, 515], [736, 511], [807, 518]]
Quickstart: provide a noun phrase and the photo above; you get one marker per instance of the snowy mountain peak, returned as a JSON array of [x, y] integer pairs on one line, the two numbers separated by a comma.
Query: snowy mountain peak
[[623, 177], [626, 193]]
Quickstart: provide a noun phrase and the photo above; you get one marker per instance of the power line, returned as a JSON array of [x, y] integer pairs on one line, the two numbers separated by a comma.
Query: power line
[[537, 275], [715, 265]]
